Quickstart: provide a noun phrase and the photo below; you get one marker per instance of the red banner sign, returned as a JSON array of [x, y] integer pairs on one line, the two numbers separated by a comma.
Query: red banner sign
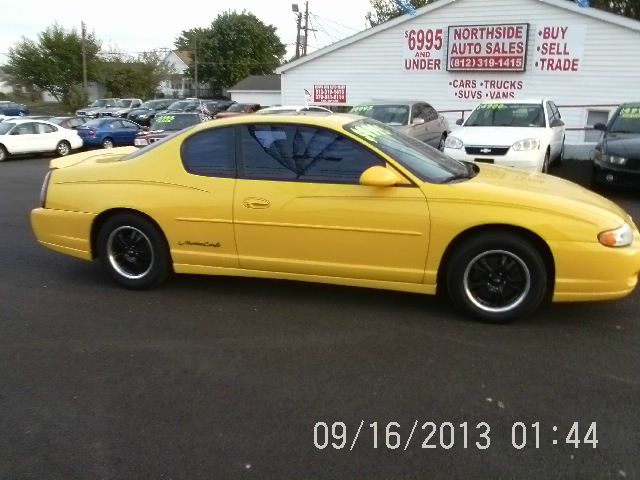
[[495, 48], [330, 94]]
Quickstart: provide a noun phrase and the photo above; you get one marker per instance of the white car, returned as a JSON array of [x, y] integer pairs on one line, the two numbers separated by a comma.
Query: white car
[[291, 109], [35, 136], [524, 134]]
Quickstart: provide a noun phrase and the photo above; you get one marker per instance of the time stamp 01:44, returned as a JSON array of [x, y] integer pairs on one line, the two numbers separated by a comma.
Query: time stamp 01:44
[[447, 435]]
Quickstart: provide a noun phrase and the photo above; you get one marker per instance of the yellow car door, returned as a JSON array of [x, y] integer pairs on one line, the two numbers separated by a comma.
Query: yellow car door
[[299, 208]]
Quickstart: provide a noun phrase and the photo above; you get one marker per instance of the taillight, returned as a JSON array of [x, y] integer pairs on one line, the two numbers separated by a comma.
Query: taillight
[[44, 189], [92, 133]]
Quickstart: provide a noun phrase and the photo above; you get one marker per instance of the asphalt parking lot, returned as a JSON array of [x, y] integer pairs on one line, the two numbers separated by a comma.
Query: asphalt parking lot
[[226, 377]]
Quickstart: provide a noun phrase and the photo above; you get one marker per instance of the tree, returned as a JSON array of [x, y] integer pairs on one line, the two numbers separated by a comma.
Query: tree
[[54, 62], [127, 76], [384, 10], [234, 46]]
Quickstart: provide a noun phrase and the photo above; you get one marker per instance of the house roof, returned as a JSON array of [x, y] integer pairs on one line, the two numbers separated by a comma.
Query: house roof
[[257, 82], [612, 18], [183, 55]]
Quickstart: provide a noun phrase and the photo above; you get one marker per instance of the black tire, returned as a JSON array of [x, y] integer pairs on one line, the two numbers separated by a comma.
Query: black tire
[[545, 162], [560, 158], [496, 277], [108, 143], [63, 148], [3, 153], [133, 251]]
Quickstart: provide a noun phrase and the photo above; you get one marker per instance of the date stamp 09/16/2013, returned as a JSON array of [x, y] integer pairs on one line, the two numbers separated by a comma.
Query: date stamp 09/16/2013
[[448, 435]]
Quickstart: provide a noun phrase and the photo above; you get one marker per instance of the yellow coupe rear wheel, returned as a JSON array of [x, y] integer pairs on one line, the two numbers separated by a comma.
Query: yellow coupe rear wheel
[[133, 251]]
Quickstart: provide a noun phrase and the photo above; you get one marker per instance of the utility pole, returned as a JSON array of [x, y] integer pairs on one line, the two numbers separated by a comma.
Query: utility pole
[[84, 58], [195, 61], [306, 28], [294, 8]]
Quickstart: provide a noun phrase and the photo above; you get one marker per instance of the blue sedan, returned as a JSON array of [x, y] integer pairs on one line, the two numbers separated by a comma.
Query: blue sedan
[[12, 109], [108, 133]]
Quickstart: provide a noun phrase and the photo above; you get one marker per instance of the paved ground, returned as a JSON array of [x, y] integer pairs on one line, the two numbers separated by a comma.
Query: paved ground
[[225, 378]]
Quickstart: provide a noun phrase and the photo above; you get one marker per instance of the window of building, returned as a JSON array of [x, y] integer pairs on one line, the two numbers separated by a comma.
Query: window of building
[[593, 117]]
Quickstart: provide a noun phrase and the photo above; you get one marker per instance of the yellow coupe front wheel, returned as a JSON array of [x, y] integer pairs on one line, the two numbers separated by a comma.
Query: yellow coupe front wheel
[[497, 277], [133, 251]]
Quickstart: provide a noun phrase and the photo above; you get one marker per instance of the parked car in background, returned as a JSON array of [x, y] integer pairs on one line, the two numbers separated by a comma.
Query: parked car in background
[[144, 114], [108, 132], [414, 118], [289, 109], [21, 136], [616, 158], [167, 124], [239, 109], [188, 106], [94, 107], [69, 122], [121, 108], [524, 134], [213, 107], [13, 109]]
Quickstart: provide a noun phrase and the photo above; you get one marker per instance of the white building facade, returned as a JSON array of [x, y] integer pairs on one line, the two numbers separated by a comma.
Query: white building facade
[[455, 53]]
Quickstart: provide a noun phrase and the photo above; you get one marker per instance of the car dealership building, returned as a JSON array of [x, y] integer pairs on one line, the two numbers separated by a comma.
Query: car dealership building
[[456, 53]]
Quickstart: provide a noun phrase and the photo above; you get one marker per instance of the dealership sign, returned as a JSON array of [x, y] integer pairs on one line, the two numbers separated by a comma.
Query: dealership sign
[[330, 93], [423, 49], [488, 48], [559, 48]]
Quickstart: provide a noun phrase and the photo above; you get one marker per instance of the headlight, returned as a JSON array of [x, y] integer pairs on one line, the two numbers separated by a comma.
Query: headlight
[[619, 237], [526, 144], [453, 142], [614, 159]]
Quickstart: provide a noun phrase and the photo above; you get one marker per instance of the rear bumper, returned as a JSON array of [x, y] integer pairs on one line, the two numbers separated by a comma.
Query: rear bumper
[[589, 271], [63, 231]]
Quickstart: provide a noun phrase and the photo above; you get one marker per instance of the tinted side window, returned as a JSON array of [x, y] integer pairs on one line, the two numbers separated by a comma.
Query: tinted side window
[[25, 129], [210, 153], [429, 113], [44, 128], [303, 153]]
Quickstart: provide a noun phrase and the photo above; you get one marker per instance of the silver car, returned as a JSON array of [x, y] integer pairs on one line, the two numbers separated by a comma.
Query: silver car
[[414, 118]]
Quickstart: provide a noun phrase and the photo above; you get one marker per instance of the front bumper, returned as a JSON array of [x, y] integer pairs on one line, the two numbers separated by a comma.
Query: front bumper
[[590, 271], [530, 161], [606, 173]]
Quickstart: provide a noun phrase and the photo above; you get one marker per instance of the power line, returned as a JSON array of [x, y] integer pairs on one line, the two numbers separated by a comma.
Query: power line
[[337, 23]]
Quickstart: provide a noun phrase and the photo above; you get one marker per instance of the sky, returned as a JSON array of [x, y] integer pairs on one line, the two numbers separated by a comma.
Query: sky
[[134, 26]]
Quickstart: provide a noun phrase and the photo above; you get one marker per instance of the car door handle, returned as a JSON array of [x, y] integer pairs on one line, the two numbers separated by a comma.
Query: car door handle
[[255, 202]]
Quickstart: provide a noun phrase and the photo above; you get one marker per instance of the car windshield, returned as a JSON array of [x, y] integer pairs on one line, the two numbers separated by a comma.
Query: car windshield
[[507, 115], [183, 105], [627, 120], [395, 115], [5, 127], [174, 122], [124, 103], [427, 163]]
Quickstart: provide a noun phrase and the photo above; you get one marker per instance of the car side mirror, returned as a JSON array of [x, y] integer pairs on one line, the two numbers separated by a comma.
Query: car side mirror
[[417, 121], [557, 123], [600, 126], [378, 177], [459, 121]]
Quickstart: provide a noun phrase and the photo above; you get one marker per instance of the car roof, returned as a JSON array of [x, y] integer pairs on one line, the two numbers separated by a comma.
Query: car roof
[[631, 104], [534, 100], [392, 102]]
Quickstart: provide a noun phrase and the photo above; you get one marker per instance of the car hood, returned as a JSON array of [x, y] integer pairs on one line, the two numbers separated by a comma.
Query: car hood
[[497, 136], [112, 155], [494, 185], [622, 146]]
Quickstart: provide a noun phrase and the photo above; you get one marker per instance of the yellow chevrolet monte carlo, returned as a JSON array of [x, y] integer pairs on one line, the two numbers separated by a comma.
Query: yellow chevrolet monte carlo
[[337, 199]]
